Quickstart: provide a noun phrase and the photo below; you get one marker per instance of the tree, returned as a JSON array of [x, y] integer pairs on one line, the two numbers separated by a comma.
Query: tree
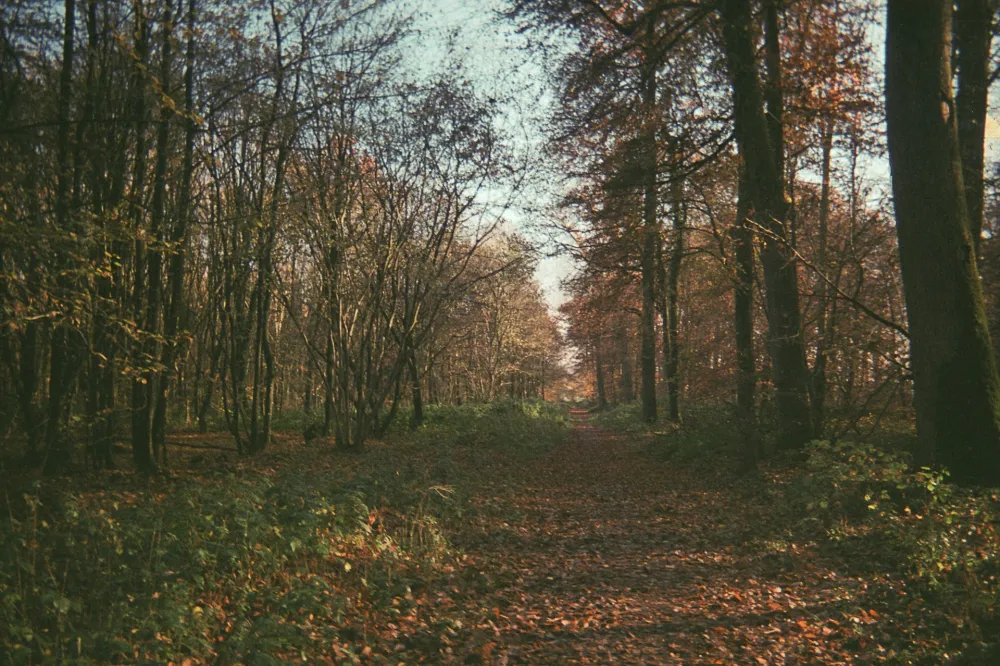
[[973, 34], [761, 148], [957, 391]]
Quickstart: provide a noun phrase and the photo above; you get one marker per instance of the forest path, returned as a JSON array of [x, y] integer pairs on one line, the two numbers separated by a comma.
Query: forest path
[[604, 555]]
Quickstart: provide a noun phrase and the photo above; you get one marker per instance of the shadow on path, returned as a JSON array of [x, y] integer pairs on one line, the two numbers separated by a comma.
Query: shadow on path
[[608, 556]]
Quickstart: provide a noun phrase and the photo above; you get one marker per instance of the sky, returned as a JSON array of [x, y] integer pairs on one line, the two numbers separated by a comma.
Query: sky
[[491, 54], [493, 58]]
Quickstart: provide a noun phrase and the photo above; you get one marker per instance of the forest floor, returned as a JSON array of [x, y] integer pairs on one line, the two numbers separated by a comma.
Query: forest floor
[[604, 555], [552, 546]]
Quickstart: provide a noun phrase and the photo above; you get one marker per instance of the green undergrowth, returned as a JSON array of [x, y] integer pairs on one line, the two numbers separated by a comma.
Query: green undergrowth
[[247, 570], [924, 542], [705, 433], [275, 559], [525, 426], [864, 500]]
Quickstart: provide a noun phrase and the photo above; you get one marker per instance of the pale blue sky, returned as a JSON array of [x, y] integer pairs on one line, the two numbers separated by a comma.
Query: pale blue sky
[[495, 57]]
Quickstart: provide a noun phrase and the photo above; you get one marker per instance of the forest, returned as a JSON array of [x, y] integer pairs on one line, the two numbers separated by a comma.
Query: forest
[[500, 332]]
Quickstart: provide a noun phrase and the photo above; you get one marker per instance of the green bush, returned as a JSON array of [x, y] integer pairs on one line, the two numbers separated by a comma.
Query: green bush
[[623, 418], [943, 536]]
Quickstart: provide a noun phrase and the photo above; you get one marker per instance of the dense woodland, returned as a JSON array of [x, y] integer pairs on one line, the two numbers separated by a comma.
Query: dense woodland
[[293, 230], [214, 212], [728, 189]]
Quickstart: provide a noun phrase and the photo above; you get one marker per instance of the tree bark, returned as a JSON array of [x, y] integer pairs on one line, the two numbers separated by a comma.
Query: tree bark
[[152, 378], [141, 453], [602, 396], [746, 381], [973, 34], [418, 402], [625, 380], [823, 333], [673, 351], [956, 388], [61, 358], [773, 94], [650, 239], [766, 185], [328, 387], [178, 240]]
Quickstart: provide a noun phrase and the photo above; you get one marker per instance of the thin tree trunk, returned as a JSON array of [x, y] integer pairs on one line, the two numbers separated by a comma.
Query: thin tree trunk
[[626, 382], [307, 391], [672, 352], [602, 397], [957, 391], [178, 239], [328, 387], [823, 333], [746, 381], [140, 414], [661, 264], [153, 379], [61, 359], [27, 389], [418, 403], [650, 239]]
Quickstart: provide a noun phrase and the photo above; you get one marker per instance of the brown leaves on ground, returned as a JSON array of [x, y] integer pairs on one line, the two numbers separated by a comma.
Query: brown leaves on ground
[[597, 553], [602, 555]]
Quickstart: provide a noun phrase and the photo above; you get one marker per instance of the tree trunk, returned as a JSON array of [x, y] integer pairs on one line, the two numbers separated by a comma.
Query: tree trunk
[[973, 33], [672, 352], [307, 391], [661, 265], [602, 397], [746, 381], [328, 387], [625, 381], [823, 333], [152, 378], [141, 434], [178, 239], [773, 92], [957, 391], [61, 359], [418, 402], [650, 239], [27, 388], [766, 184]]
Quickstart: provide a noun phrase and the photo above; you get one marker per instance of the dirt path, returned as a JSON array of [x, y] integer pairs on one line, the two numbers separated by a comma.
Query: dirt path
[[607, 556]]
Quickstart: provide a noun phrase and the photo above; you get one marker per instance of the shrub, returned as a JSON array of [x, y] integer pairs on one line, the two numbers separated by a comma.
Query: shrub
[[520, 425], [706, 432], [943, 536]]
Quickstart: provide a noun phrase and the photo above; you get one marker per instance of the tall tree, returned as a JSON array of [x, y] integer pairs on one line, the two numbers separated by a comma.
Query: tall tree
[[956, 388], [746, 380], [761, 150], [973, 34], [61, 361]]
